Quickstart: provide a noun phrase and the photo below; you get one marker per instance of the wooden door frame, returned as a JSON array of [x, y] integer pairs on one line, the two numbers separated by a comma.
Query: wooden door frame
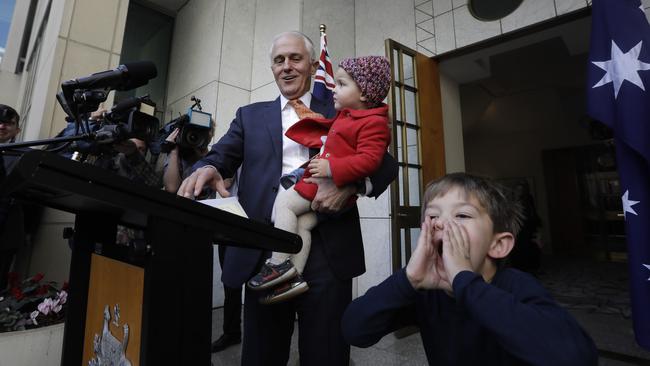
[[431, 139]]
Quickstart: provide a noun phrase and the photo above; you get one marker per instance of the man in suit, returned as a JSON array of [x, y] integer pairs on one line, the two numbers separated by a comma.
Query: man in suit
[[256, 144]]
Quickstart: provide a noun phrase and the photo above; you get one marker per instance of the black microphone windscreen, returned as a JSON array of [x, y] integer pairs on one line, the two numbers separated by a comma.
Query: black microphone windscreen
[[126, 104], [139, 73]]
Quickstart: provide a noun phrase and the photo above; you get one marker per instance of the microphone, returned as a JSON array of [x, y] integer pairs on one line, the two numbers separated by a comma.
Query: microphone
[[124, 77], [126, 105]]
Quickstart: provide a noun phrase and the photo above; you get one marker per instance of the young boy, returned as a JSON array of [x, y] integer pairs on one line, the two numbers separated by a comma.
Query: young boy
[[470, 311]]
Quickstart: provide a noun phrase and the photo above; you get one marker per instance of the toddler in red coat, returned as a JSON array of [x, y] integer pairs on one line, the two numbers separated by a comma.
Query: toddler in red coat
[[352, 147]]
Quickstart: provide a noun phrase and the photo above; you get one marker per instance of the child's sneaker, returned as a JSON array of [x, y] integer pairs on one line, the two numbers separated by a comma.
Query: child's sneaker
[[272, 274], [286, 291]]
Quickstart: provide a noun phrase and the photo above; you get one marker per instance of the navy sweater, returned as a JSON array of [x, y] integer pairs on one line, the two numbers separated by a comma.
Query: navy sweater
[[512, 321]]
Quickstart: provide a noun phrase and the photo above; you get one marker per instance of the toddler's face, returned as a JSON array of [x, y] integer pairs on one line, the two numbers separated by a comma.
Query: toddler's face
[[463, 208], [347, 93]]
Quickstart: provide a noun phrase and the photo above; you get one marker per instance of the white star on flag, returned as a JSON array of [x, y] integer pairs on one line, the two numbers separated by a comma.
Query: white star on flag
[[648, 267], [627, 204], [621, 67]]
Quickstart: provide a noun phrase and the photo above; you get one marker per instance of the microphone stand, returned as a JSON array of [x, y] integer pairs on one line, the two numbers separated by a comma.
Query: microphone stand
[[16, 145]]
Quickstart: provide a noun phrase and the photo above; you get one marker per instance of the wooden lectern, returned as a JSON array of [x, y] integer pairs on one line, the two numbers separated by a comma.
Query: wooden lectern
[[151, 301]]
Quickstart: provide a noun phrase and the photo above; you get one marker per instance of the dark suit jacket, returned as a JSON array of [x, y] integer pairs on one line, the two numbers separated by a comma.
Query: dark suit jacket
[[254, 143], [12, 215]]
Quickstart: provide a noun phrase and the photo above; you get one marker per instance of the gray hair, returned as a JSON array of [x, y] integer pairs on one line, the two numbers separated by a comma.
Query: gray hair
[[309, 45]]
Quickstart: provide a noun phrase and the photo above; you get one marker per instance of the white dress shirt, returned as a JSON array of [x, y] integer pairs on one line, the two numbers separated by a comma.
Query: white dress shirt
[[293, 154]]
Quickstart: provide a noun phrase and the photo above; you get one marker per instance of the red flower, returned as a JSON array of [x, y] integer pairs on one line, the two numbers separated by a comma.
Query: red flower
[[65, 286], [37, 277], [42, 290], [17, 293]]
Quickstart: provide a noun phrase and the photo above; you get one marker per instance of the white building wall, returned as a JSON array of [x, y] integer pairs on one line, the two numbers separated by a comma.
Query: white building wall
[[10, 83], [211, 58], [339, 17], [271, 18], [445, 25], [77, 38]]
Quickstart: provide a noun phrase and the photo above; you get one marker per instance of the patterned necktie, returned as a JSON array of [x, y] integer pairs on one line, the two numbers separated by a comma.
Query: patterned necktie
[[302, 110]]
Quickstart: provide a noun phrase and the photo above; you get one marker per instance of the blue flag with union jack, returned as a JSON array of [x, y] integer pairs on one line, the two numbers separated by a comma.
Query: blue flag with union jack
[[324, 79], [617, 94]]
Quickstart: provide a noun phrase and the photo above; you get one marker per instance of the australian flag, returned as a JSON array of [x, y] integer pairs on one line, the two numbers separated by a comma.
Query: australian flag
[[618, 95], [324, 79]]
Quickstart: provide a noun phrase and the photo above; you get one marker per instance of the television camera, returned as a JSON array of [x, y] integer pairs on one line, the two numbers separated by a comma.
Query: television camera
[[131, 118], [194, 130]]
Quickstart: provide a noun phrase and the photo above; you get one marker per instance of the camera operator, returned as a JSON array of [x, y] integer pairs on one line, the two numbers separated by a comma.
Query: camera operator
[[131, 162], [9, 128], [125, 158], [179, 161], [12, 216]]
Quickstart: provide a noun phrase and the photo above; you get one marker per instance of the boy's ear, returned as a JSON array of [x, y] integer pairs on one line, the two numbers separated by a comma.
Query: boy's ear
[[502, 244], [363, 98]]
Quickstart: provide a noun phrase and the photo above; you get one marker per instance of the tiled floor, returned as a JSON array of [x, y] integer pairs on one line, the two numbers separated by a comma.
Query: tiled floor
[[594, 292]]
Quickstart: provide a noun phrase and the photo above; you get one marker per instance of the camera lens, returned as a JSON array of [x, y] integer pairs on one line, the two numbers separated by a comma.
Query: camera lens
[[194, 138]]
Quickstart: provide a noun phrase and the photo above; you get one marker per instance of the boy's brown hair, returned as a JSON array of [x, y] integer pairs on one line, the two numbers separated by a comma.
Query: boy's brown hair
[[504, 210]]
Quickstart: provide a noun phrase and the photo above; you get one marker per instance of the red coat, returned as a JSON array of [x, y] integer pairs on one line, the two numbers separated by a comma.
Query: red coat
[[355, 146]]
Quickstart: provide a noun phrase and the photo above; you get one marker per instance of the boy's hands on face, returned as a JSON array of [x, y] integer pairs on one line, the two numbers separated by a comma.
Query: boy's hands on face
[[455, 249], [425, 268], [319, 168]]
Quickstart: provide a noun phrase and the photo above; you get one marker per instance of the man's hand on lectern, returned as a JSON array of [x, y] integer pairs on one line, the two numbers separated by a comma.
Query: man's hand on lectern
[[204, 176]]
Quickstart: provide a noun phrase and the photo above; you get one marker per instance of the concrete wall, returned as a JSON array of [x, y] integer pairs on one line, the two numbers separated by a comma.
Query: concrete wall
[[445, 25], [10, 83], [75, 41], [212, 58]]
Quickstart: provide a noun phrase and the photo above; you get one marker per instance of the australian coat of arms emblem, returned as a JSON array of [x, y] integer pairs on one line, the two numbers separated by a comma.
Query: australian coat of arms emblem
[[109, 351]]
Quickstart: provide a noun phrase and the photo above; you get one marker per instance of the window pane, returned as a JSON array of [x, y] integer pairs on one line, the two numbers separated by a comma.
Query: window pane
[[396, 65], [398, 103], [412, 146], [398, 141], [401, 186], [402, 246], [409, 77], [414, 186], [415, 234], [409, 105]]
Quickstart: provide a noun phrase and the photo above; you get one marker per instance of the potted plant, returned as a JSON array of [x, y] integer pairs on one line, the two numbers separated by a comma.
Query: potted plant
[[31, 315]]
